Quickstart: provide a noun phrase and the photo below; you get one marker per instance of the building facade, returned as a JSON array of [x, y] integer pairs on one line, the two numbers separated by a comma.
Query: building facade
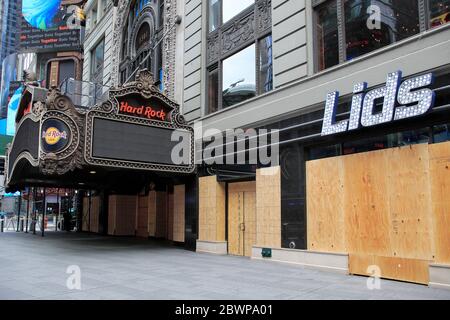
[[341, 109], [335, 199]]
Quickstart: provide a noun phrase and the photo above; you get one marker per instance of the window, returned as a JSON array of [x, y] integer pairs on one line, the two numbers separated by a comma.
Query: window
[[214, 9], [227, 9], [398, 20], [239, 83], [237, 69], [213, 90], [362, 26], [97, 56], [265, 65], [232, 7], [441, 133], [439, 12], [327, 35]]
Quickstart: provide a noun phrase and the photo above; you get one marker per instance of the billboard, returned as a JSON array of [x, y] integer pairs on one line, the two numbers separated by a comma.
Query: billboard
[[49, 26]]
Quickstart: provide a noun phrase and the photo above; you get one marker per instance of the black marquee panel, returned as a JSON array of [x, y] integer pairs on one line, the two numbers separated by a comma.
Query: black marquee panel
[[25, 143], [117, 140]]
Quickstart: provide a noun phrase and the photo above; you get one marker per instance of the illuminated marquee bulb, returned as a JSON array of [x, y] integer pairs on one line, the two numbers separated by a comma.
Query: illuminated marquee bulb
[[389, 93], [357, 101], [329, 120], [423, 99]]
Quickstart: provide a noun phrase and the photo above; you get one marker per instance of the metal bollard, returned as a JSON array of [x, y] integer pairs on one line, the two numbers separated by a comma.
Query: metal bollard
[[2, 225]]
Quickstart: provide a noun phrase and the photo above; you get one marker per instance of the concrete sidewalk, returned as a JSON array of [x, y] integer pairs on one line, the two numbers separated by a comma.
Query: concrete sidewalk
[[33, 267]]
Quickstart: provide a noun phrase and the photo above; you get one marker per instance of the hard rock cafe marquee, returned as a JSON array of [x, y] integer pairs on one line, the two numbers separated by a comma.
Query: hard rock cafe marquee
[[129, 135]]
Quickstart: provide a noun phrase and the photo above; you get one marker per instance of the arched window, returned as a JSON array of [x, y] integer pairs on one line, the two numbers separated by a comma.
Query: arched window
[[140, 33]]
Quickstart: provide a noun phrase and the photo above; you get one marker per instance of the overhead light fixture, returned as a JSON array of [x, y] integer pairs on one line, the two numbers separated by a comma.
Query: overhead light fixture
[[93, 172]]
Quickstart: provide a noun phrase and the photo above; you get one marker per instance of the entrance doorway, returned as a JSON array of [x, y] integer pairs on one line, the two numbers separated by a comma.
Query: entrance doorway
[[241, 218]]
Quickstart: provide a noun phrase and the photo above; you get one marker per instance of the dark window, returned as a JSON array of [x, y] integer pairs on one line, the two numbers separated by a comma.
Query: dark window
[[143, 36], [441, 133], [97, 56], [265, 65], [439, 12], [364, 32], [327, 35], [362, 26], [213, 91]]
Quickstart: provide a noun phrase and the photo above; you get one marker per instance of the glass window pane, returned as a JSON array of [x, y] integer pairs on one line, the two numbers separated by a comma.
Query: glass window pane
[[214, 10], [371, 24], [327, 35], [441, 133], [265, 65], [239, 77], [213, 91], [232, 7], [439, 12]]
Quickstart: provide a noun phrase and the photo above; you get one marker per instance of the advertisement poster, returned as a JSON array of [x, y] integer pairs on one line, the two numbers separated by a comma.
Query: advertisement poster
[[48, 26]]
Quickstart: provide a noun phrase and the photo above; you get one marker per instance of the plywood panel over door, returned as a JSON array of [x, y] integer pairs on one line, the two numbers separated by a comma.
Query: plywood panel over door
[[241, 218]]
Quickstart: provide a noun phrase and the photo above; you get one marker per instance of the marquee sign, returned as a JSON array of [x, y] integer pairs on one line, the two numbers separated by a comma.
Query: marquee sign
[[400, 101], [139, 128], [55, 135], [148, 109]]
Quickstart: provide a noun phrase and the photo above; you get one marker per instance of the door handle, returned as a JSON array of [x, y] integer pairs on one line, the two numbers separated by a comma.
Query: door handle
[[242, 226]]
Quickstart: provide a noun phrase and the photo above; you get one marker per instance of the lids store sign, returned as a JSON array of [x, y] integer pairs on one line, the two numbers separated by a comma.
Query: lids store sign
[[400, 101]]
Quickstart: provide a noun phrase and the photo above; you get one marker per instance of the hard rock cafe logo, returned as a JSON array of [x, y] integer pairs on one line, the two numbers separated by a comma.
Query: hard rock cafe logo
[[52, 136], [142, 111]]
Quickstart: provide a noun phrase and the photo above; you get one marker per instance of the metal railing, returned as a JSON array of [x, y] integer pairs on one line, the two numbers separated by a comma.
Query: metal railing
[[84, 94]]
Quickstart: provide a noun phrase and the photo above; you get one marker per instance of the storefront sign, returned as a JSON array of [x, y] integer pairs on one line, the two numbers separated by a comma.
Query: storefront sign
[[142, 111], [400, 101], [55, 135]]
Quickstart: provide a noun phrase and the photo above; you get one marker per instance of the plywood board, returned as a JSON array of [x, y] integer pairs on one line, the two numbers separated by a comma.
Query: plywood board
[[161, 214], [235, 221], [211, 209], [394, 204], [411, 270], [249, 232], [179, 213], [268, 207], [440, 191], [409, 202], [142, 217], [325, 205], [170, 216], [365, 204], [241, 218]]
